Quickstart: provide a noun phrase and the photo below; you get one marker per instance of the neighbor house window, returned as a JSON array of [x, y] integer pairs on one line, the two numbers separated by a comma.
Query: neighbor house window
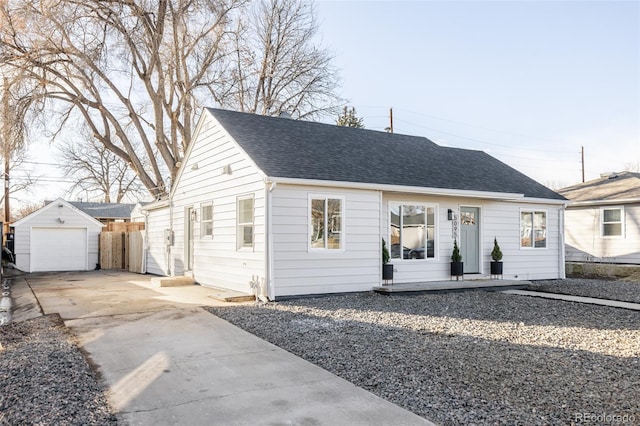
[[245, 222], [206, 220], [533, 229], [325, 223], [612, 221], [412, 231]]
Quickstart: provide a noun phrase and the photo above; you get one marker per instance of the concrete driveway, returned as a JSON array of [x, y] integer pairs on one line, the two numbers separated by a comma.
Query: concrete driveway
[[169, 362]]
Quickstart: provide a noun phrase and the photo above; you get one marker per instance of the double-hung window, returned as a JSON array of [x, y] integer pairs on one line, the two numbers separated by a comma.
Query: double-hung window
[[412, 233], [206, 220], [533, 229], [245, 235], [326, 223], [612, 220]]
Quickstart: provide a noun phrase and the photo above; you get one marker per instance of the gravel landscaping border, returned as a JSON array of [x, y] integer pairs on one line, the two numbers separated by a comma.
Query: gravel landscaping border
[[471, 357], [45, 379]]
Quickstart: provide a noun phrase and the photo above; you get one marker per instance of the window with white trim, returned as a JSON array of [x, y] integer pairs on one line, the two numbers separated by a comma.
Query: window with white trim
[[612, 219], [245, 236], [206, 220], [412, 231], [533, 229], [326, 222]]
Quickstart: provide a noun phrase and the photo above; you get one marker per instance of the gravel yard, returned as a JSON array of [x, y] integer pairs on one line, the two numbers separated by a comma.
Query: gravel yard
[[45, 380], [601, 289], [468, 358]]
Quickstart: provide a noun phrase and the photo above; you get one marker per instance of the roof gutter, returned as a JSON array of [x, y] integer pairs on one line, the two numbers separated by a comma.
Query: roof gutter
[[603, 202], [155, 205], [407, 189]]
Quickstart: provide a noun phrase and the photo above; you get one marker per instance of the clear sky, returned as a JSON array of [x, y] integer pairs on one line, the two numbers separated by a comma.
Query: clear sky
[[529, 82]]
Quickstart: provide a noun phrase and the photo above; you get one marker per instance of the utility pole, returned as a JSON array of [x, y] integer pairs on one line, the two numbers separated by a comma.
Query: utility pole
[[6, 136], [390, 120], [582, 159]]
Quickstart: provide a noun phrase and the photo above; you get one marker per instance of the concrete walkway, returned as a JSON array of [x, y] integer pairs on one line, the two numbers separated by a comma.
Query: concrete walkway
[[579, 299], [169, 362]]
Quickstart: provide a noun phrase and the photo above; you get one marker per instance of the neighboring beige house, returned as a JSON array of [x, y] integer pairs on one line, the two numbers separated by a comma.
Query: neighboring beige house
[[603, 219], [295, 207]]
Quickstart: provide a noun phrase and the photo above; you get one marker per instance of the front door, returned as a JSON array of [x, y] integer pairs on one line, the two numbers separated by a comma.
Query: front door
[[188, 244], [470, 239]]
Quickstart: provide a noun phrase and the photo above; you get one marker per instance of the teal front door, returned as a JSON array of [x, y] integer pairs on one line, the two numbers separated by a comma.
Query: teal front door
[[470, 239]]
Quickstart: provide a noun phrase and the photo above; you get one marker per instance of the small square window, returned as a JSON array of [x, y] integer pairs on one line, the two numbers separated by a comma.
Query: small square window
[[206, 219], [612, 221], [245, 222]]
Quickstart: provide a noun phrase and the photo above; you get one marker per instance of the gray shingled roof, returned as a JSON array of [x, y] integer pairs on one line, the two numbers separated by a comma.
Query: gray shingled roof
[[288, 148], [105, 210], [617, 186]]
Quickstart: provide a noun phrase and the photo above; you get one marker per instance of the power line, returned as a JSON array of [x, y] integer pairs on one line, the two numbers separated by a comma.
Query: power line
[[480, 140]]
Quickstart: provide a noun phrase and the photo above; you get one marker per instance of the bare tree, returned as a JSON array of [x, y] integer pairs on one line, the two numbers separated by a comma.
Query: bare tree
[[26, 209], [98, 172], [19, 96], [278, 64], [136, 71], [130, 69]]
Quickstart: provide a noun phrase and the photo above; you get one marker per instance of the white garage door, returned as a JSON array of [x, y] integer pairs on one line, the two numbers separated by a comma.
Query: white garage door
[[58, 249]]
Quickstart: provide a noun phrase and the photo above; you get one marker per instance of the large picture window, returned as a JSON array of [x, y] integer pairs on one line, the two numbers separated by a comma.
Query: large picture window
[[412, 232], [533, 229], [245, 222], [206, 220], [326, 221], [612, 220]]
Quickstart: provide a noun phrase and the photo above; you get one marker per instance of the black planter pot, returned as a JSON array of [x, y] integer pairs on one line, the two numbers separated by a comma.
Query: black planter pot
[[496, 268], [387, 271], [457, 269]]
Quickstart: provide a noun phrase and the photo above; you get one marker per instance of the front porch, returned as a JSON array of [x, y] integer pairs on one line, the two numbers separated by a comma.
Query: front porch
[[441, 286]]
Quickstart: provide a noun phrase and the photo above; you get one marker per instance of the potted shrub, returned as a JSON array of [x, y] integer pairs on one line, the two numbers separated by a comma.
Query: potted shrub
[[457, 268], [496, 258], [387, 268]]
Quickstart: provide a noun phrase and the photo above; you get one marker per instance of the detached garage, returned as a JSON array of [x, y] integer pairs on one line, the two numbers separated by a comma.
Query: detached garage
[[58, 237]]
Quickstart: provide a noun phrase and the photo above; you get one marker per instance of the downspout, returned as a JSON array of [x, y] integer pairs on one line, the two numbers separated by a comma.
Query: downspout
[[169, 242], [382, 226], [145, 242], [271, 291], [562, 266]]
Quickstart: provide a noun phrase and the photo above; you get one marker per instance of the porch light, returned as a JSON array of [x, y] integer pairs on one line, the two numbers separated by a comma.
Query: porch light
[[449, 214]]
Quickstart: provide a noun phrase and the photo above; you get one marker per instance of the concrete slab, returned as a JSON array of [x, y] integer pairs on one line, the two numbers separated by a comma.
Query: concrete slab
[[25, 304], [167, 361], [579, 299]]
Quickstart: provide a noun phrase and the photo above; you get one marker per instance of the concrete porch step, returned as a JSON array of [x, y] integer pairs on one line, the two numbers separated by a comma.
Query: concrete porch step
[[231, 296], [158, 282], [434, 286]]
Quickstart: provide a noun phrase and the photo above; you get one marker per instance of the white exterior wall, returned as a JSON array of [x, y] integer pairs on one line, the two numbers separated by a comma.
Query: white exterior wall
[[217, 261], [298, 270], [497, 219], [157, 253], [47, 217], [585, 243]]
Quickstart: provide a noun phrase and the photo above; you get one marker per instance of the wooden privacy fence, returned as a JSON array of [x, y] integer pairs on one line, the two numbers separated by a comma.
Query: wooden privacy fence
[[122, 250]]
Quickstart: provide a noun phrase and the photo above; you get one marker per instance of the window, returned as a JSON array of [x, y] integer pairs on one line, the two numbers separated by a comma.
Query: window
[[326, 220], [206, 220], [533, 229], [245, 222], [412, 233], [612, 221]]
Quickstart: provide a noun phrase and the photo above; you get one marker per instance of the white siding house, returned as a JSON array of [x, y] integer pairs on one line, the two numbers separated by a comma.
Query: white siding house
[[603, 219], [287, 207], [57, 237]]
